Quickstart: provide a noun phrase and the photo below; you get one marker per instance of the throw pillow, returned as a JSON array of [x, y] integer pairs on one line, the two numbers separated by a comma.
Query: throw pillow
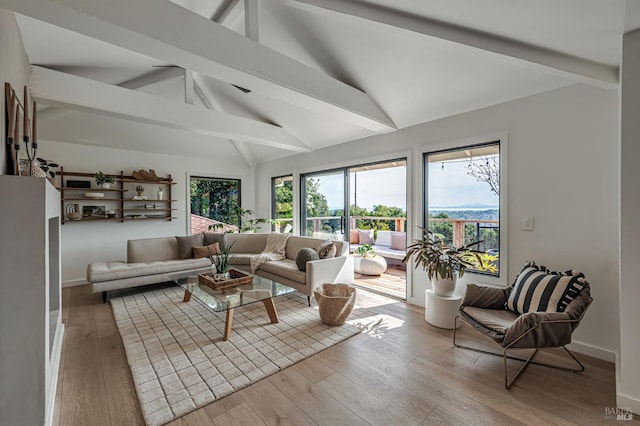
[[537, 289], [399, 241], [327, 249], [186, 245], [353, 236], [212, 237], [305, 255], [365, 236], [206, 251]]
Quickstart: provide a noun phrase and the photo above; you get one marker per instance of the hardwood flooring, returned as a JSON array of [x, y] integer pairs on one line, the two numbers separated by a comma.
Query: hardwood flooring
[[405, 372], [392, 282]]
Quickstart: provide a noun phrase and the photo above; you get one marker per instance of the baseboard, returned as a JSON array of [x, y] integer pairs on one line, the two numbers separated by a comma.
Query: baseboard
[[55, 362], [625, 401], [73, 283], [594, 351]]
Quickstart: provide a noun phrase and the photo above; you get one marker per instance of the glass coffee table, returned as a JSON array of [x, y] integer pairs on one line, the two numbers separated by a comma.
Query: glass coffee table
[[260, 290]]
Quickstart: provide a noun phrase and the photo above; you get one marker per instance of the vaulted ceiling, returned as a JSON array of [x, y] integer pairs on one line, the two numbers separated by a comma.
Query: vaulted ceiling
[[320, 72]]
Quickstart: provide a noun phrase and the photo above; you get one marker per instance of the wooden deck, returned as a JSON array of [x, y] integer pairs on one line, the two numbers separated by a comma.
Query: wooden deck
[[392, 283]]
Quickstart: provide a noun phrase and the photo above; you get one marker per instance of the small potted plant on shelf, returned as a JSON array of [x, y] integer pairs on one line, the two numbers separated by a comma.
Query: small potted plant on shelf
[[104, 181], [443, 264], [222, 261]]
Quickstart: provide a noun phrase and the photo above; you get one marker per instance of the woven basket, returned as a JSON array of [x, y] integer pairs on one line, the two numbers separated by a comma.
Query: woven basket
[[335, 302]]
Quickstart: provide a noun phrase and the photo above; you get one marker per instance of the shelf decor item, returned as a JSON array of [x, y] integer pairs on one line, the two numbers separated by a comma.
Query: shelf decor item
[[104, 181], [160, 193], [140, 190]]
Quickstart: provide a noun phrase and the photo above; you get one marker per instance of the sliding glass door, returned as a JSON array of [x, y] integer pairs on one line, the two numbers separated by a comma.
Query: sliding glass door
[[324, 212]]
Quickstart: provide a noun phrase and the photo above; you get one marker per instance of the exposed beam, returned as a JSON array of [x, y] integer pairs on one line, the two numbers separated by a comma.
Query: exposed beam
[[166, 31], [251, 26], [81, 94], [584, 70], [208, 99], [149, 79], [230, 14], [188, 87]]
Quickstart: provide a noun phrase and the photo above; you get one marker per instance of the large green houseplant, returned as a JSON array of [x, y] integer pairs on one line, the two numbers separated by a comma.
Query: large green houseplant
[[443, 264]]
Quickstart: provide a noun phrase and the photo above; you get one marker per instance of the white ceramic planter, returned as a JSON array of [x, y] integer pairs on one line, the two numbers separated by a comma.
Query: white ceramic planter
[[444, 287]]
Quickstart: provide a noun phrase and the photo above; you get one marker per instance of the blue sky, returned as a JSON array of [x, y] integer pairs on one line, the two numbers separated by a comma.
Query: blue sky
[[451, 186]]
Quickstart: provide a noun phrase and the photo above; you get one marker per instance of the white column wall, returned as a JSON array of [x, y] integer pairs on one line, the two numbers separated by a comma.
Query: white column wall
[[562, 170], [14, 69], [86, 242], [628, 370]]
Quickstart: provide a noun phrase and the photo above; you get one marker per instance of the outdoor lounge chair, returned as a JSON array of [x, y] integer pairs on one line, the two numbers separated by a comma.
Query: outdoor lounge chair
[[490, 311]]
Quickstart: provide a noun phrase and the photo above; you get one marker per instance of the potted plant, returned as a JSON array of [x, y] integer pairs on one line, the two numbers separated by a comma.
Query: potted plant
[[443, 264], [104, 181], [47, 167], [222, 261], [365, 250]]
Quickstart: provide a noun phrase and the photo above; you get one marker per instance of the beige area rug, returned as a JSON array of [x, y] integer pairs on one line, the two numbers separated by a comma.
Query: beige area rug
[[179, 361]]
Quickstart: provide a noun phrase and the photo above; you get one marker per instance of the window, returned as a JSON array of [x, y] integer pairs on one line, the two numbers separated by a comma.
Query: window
[[282, 203], [463, 199], [214, 202]]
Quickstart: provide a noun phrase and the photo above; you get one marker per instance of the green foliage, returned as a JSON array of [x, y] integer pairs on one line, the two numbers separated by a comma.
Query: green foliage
[[224, 259], [249, 223], [284, 200], [100, 177], [48, 166], [437, 258], [365, 250], [216, 199]]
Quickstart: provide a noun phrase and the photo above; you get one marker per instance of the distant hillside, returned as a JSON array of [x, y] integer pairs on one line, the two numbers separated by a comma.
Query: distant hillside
[[490, 214]]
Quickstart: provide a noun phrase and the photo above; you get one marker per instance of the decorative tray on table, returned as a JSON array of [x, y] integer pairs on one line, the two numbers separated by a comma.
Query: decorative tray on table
[[237, 278]]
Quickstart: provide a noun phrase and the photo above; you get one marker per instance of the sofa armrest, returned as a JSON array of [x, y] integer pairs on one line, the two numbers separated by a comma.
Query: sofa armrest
[[333, 270], [481, 296]]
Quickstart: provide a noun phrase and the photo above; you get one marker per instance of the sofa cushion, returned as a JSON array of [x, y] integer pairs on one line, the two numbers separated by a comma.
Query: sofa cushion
[[537, 289], [242, 259], [305, 255], [109, 271], [212, 237], [186, 245], [295, 244], [285, 268], [498, 320], [354, 236], [246, 243], [383, 238], [398, 241], [326, 249], [365, 236], [206, 251], [152, 249]]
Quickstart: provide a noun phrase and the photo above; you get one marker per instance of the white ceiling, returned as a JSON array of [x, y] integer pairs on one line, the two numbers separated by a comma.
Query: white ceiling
[[414, 78]]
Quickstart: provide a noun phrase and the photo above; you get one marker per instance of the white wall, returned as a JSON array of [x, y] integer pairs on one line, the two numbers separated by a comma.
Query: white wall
[[86, 242], [562, 170], [628, 369], [14, 68]]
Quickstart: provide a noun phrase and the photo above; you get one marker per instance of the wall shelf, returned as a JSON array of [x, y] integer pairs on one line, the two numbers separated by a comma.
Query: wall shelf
[[115, 197]]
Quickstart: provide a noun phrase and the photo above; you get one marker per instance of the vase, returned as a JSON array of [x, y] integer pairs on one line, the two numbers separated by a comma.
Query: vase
[[160, 193], [221, 276], [444, 287], [32, 168], [106, 185]]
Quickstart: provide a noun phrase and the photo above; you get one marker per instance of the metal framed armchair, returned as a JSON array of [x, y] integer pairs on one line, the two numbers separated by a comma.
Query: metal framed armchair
[[483, 309]]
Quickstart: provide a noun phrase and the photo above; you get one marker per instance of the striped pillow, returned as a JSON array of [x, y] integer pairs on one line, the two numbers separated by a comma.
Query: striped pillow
[[539, 290]]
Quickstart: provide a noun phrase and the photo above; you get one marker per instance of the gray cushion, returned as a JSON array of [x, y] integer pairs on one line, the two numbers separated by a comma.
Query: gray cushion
[[109, 271], [186, 245], [304, 256]]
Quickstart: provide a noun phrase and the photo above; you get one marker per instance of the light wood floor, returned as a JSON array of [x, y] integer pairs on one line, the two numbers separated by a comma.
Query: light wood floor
[[392, 282], [405, 373]]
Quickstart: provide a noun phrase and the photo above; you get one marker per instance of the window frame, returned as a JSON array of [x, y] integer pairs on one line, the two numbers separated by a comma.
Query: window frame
[[475, 276]]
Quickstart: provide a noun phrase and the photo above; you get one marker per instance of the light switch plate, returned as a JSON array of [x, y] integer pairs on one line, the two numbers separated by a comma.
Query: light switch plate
[[527, 223]]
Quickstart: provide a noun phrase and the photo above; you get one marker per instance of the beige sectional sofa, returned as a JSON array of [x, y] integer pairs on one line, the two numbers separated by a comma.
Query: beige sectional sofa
[[152, 260]]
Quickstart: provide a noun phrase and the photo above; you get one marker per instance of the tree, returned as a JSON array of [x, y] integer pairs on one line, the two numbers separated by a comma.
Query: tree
[[487, 171], [284, 200], [216, 199]]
